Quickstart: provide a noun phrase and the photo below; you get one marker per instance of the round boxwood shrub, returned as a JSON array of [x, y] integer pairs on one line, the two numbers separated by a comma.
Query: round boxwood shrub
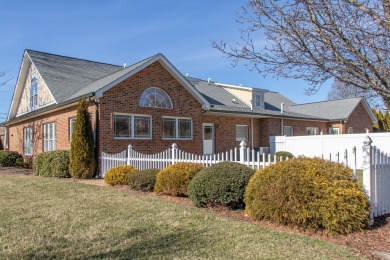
[[8, 158], [119, 175], [174, 179], [222, 184], [143, 180], [284, 155], [52, 164], [308, 193]]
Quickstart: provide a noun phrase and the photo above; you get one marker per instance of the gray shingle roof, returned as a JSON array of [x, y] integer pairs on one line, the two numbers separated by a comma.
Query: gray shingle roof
[[65, 76], [331, 109], [272, 101]]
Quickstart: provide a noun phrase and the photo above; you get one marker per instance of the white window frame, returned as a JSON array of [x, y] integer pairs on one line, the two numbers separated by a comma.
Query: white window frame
[[288, 127], [334, 130], [309, 129], [72, 122], [132, 126], [156, 93], [177, 132], [28, 135], [34, 94], [242, 138], [49, 139]]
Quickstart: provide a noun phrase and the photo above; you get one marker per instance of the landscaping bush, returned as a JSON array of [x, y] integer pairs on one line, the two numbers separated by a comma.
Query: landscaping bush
[[8, 158], [52, 164], [222, 184], [174, 179], [25, 162], [119, 175], [308, 193], [284, 155], [143, 180]]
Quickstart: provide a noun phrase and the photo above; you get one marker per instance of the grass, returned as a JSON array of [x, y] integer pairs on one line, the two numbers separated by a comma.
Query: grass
[[44, 218]]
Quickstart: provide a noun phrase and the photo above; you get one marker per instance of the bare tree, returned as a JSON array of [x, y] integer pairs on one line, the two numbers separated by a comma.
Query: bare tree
[[315, 40]]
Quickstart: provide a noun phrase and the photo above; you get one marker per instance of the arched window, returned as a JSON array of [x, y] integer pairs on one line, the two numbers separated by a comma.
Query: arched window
[[34, 94], [155, 97]]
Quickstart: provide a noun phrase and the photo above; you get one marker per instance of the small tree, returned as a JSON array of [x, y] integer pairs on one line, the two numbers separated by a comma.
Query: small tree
[[82, 155]]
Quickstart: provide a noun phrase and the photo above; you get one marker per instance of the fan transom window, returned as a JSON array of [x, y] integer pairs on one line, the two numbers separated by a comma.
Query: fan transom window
[[155, 97]]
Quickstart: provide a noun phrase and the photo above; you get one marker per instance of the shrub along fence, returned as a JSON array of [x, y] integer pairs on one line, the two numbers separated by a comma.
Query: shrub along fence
[[376, 165]]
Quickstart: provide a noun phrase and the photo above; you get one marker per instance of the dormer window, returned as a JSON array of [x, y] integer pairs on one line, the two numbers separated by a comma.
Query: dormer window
[[259, 100], [34, 94], [155, 97]]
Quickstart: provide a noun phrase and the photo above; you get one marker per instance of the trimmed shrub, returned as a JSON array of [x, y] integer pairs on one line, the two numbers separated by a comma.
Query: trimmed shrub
[[284, 155], [174, 179], [52, 164], [222, 184], [82, 151], [25, 162], [119, 175], [143, 180], [8, 158], [308, 193]]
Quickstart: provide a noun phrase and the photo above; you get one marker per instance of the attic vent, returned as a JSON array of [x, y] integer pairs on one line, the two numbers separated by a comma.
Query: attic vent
[[124, 65], [234, 100], [187, 75], [208, 80]]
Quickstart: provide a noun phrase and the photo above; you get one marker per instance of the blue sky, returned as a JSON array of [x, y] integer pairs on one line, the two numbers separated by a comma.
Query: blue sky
[[120, 31]]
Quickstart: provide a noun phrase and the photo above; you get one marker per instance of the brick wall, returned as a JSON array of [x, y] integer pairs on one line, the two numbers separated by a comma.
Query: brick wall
[[60, 118], [124, 98], [359, 120]]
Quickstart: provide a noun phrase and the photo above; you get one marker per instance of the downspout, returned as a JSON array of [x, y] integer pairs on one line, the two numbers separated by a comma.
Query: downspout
[[97, 138], [282, 120], [252, 132], [6, 138]]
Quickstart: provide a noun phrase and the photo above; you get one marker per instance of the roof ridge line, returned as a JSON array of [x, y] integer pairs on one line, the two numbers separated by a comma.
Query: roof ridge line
[[323, 101], [68, 57]]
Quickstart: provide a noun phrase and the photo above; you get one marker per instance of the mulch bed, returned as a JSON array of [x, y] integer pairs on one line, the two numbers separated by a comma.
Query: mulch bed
[[373, 243]]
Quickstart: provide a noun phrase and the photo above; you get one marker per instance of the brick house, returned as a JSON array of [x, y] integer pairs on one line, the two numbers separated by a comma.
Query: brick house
[[151, 105]]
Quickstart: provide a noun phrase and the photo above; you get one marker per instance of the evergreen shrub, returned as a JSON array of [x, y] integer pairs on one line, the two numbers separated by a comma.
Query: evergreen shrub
[[222, 184], [174, 179], [284, 155], [143, 180], [8, 158], [52, 164], [119, 175], [309, 193], [82, 151]]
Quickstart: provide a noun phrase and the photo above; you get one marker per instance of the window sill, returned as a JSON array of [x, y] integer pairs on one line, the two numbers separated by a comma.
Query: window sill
[[178, 139]]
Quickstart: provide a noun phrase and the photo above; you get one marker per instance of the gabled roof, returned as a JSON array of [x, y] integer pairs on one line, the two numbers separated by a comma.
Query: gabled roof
[[333, 110], [272, 101]]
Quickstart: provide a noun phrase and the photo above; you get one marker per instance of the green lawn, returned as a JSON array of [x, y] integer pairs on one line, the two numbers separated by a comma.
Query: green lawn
[[42, 218]]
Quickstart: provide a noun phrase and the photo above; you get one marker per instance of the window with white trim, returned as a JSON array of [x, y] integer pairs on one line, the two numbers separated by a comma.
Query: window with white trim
[[155, 97], [241, 133], [350, 130], [34, 94], [49, 137], [28, 140], [72, 121], [312, 131], [177, 128], [333, 130], [259, 100], [132, 126], [288, 130]]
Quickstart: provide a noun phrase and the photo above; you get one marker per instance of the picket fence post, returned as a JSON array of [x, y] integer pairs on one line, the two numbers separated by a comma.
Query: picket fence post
[[174, 152], [129, 147], [367, 173], [242, 152]]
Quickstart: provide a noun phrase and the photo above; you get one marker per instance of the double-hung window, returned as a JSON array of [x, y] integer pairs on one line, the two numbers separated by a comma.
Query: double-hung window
[[288, 130], [177, 128], [34, 94], [72, 121], [28, 140], [312, 131], [333, 130], [241, 133], [49, 137], [132, 126]]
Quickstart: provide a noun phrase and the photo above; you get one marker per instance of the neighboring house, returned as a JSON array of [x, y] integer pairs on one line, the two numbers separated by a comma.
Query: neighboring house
[[2, 135], [151, 105]]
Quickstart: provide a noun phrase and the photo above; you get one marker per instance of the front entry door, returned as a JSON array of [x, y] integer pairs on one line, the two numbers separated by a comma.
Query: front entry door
[[208, 138]]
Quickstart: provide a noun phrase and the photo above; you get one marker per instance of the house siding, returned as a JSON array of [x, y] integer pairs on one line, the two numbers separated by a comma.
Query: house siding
[[124, 98], [44, 95], [359, 120], [60, 118]]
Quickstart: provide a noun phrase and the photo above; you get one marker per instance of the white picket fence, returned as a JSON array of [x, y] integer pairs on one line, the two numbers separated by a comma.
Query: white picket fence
[[243, 155], [375, 165]]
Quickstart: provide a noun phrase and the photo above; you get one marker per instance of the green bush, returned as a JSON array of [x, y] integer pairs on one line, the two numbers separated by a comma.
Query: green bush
[[143, 180], [119, 175], [82, 151], [25, 162], [284, 155], [174, 179], [8, 158], [222, 184], [308, 193], [52, 164]]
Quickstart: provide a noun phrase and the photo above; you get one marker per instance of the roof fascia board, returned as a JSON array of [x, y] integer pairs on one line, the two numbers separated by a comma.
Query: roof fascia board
[[256, 115]]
